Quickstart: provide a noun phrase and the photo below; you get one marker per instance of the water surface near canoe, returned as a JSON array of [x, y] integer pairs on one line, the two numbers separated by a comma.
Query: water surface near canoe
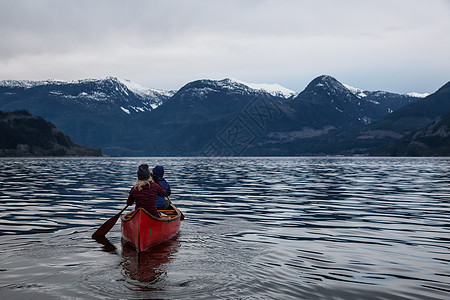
[[268, 228]]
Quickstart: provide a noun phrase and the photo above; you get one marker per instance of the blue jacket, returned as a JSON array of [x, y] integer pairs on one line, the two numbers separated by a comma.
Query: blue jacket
[[161, 201]]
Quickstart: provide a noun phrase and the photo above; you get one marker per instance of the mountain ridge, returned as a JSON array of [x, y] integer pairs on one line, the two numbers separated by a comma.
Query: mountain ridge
[[108, 114], [387, 136]]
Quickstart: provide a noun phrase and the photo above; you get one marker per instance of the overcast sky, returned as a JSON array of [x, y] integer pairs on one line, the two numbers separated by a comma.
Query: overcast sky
[[392, 45]]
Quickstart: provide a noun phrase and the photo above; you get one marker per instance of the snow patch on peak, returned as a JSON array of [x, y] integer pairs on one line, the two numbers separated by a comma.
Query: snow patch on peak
[[26, 84], [131, 86], [362, 93], [352, 89], [125, 110], [272, 88], [143, 91], [417, 95], [356, 91], [16, 83]]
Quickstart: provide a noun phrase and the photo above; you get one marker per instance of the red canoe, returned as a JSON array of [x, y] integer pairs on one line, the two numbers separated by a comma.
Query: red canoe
[[144, 230]]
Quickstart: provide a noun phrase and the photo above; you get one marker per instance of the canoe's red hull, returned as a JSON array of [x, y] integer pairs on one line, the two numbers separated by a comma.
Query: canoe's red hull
[[143, 230]]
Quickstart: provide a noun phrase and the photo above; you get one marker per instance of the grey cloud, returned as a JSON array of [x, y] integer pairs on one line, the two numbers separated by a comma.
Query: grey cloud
[[283, 41]]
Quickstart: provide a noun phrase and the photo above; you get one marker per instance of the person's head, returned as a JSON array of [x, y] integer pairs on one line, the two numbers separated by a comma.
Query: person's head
[[158, 171], [143, 177], [143, 173]]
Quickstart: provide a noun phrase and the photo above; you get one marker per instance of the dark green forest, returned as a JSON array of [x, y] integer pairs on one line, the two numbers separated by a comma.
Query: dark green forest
[[22, 134]]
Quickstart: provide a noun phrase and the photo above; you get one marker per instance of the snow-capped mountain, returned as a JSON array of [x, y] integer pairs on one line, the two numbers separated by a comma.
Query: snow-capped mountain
[[152, 98], [419, 128], [365, 106], [110, 93], [131, 97], [206, 88], [91, 111], [115, 114], [274, 89], [360, 93]]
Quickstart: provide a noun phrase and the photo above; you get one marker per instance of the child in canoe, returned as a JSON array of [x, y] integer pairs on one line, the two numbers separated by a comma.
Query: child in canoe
[[158, 176], [145, 191]]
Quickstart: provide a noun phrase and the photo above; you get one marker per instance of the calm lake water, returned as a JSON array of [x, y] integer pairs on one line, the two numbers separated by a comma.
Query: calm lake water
[[255, 228]]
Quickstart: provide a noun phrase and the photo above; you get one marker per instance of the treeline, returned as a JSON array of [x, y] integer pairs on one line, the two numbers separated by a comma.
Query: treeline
[[433, 140], [22, 134]]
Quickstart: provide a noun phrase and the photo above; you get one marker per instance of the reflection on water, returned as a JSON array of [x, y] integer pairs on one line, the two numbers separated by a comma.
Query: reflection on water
[[107, 245], [148, 266], [271, 228]]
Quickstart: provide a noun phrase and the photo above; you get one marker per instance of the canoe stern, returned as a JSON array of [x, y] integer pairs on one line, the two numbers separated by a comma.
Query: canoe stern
[[143, 230]]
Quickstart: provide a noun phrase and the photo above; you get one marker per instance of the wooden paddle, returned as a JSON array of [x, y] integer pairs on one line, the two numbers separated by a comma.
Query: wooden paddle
[[106, 227], [182, 216]]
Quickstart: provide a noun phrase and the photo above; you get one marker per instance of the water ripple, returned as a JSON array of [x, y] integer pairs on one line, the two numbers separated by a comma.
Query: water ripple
[[360, 228]]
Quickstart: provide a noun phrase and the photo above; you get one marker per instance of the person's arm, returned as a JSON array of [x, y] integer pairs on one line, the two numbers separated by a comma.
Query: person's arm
[[160, 190], [130, 199], [169, 191]]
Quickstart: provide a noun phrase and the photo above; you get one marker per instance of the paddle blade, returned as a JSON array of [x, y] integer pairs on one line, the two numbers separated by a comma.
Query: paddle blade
[[106, 227]]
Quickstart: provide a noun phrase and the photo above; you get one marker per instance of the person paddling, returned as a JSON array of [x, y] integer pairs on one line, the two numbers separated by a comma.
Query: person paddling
[[158, 176], [145, 191]]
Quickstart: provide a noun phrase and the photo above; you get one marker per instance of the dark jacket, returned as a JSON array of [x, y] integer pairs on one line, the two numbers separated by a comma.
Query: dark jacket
[[146, 198], [161, 201]]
